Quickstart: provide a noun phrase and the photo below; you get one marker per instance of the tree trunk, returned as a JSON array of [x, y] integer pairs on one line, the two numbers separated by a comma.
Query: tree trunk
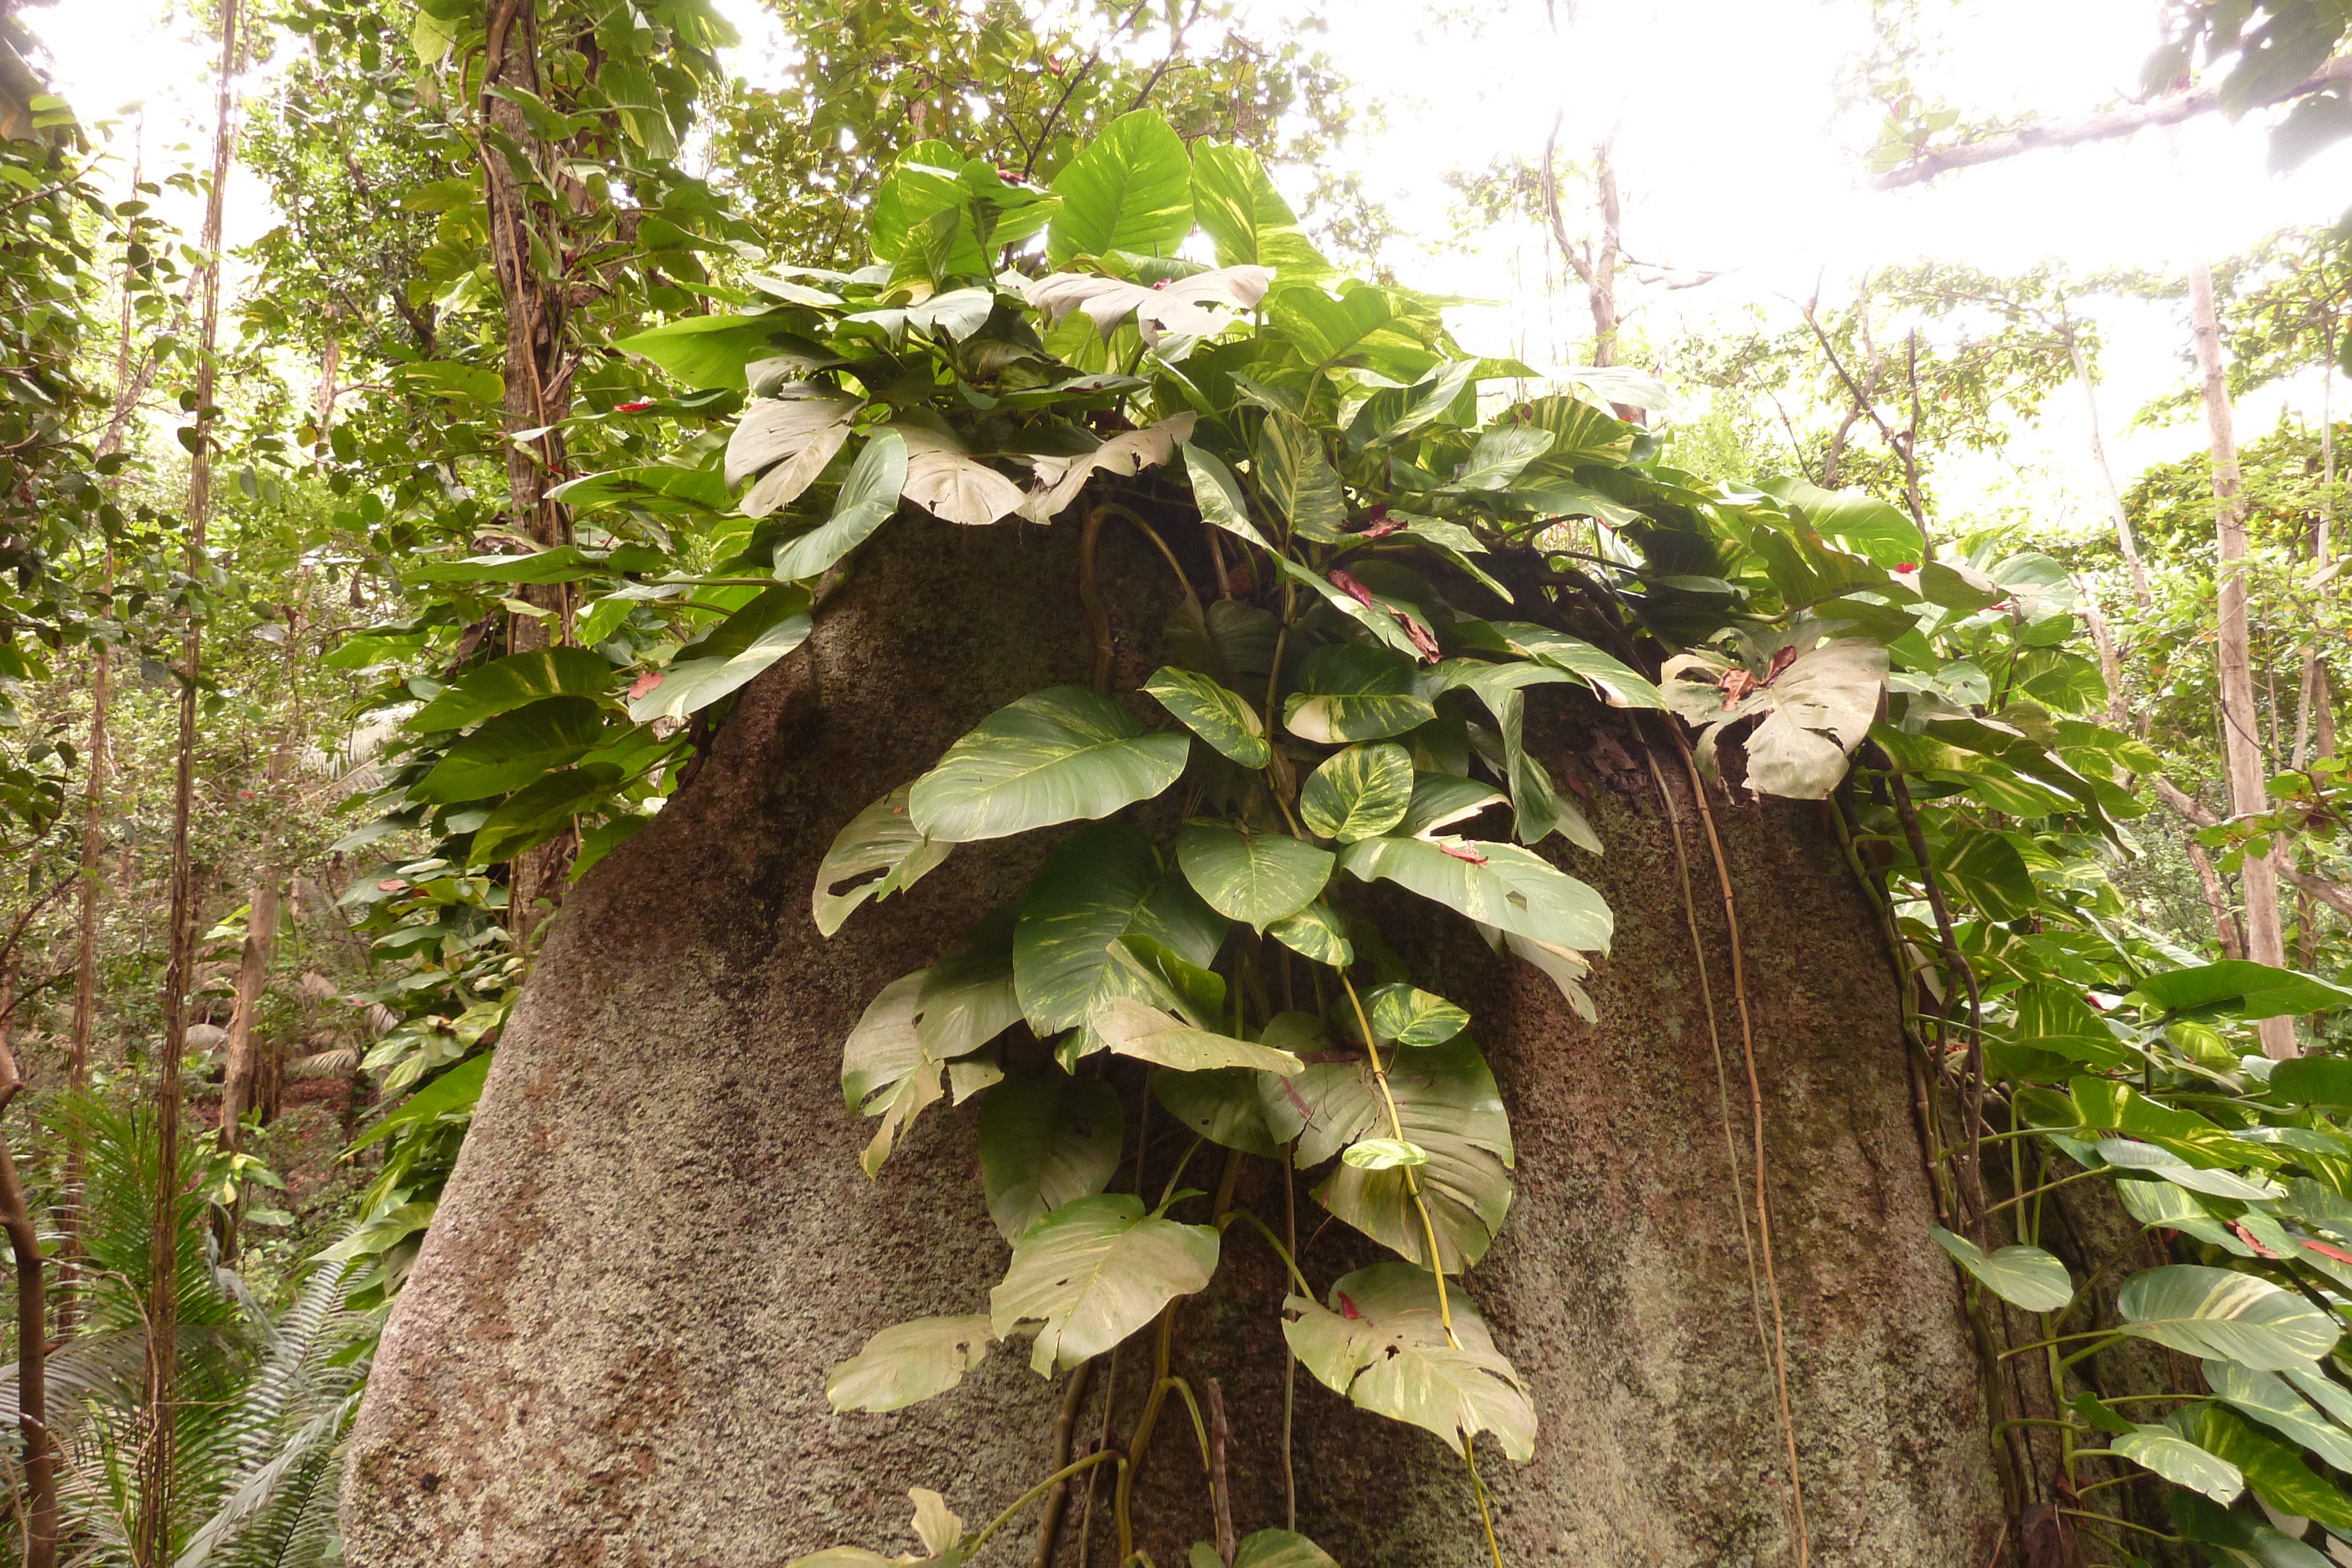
[[2241, 726], [242, 1075], [152, 1543], [657, 1241], [2124, 535]]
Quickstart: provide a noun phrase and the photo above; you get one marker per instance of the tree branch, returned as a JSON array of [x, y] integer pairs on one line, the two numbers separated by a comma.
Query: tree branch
[[2335, 895], [2170, 109]]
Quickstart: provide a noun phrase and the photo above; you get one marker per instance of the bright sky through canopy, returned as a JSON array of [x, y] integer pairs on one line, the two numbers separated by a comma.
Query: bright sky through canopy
[[1738, 151]]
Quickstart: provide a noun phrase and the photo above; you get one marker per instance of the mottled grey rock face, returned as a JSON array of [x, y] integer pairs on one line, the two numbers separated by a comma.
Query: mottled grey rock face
[[614, 1346]]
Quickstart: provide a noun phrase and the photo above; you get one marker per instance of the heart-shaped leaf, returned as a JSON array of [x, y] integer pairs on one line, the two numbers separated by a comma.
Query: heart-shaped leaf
[[1447, 1102], [1383, 1346], [868, 499], [1100, 885], [1361, 793], [1094, 1271], [1215, 714], [1056, 756], [1349, 693], [1504, 885], [1257, 877], [2226, 1315], [2025, 1277], [1130, 189], [909, 1362], [882, 839], [1045, 1139]]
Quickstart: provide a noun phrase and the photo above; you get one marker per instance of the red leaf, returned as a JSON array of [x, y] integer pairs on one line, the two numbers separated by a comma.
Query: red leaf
[[391, 885], [639, 407], [1347, 1308], [2247, 1237], [2325, 1250], [1907, 566], [644, 683], [1464, 853], [1351, 587], [1422, 641]]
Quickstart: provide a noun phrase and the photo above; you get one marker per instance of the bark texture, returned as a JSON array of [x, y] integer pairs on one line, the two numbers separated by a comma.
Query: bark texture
[[613, 1348]]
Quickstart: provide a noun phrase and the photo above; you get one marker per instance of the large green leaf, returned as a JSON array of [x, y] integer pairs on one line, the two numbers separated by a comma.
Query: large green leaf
[[504, 684], [2270, 1400], [1815, 711], [707, 352], [1130, 189], [1238, 207], [1134, 1028], [1448, 1105], [1223, 1105], [788, 440], [2125, 1155], [1859, 520], [886, 1071], [881, 848], [1499, 455], [1056, 756], [1094, 1271], [1303, 486], [540, 810], [659, 487], [967, 997], [2237, 1540], [1266, 1549], [1215, 714], [1504, 885], [1315, 932], [909, 1362], [2240, 988], [1045, 1139], [1101, 884], [2025, 1277], [1384, 1345], [868, 497], [1219, 495], [1349, 693], [1257, 877], [1327, 331], [2274, 1469], [2226, 1315], [513, 749], [2181, 1461], [728, 656], [1535, 801], [1361, 793], [1620, 684]]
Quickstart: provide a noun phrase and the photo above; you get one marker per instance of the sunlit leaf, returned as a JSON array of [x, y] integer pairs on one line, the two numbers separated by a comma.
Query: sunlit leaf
[[1383, 1344], [1056, 756], [909, 1362], [1094, 1271]]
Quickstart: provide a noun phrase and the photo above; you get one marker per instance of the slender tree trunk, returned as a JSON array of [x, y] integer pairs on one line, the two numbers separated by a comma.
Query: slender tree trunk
[[2312, 695], [708, 1199], [152, 1543], [40, 1494], [242, 1075], [2217, 904], [2241, 723], [2111, 665], [2124, 535], [538, 380], [85, 1008]]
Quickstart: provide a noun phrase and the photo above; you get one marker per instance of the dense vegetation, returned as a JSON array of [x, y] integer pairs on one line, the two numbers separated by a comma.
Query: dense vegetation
[[350, 621]]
